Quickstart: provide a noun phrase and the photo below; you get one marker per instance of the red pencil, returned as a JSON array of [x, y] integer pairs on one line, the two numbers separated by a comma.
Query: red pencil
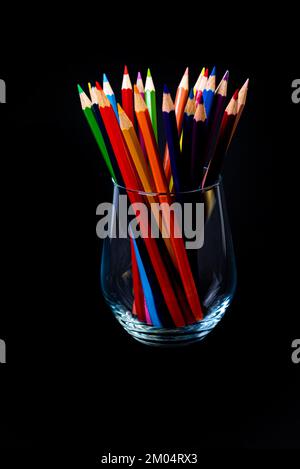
[[132, 181], [227, 124], [127, 95]]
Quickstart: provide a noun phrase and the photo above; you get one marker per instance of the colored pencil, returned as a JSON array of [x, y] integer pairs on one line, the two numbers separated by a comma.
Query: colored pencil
[[86, 106], [144, 122], [180, 102], [186, 276], [198, 82], [187, 128], [140, 85], [150, 99], [172, 138], [227, 124], [127, 95], [217, 111], [209, 92], [103, 131], [198, 145], [201, 85], [241, 104], [141, 166], [131, 181], [110, 94], [151, 310], [138, 307], [198, 131], [181, 98]]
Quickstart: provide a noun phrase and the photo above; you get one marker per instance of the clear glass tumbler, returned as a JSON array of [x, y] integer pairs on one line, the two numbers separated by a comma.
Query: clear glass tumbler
[[133, 288]]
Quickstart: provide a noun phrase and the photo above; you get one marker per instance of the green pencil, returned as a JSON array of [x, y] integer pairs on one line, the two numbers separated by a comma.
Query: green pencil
[[86, 105], [150, 98]]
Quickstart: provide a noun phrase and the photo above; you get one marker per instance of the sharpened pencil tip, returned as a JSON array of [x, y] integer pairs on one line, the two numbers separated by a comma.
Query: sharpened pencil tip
[[236, 94], [186, 71], [125, 70], [104, 78], [80, 90], [166, 89], [191, 95], [139, 76], [206, 73], [135, 89], [202, 71], [226, 76], [120, 109], [148, 73], [246, 83], [213, 72], [98, 86]]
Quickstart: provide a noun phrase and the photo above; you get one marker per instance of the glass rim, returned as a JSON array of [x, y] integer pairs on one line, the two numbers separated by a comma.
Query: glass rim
[[193, 191]]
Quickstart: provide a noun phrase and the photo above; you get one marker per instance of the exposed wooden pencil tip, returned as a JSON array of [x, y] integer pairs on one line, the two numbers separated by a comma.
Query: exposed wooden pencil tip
[[213, 72], [202, 71], [236, 94], [199, 96], [80, 90], [206, 73], [120, 109], [135, 89], [125, 70], [98, 86], [166, 89], [186, 71], [148, 73], [139, 76], [191, 95], [104, 78]]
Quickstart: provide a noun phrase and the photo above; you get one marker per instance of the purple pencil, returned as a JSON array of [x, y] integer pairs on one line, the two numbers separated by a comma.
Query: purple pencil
[[216, 115], [140, 85]]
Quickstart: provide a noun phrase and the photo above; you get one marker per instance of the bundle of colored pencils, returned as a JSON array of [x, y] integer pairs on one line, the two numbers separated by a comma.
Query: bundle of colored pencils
[[198, 129]]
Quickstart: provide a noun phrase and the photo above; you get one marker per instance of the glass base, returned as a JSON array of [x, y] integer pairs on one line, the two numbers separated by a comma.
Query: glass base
[[162, 337]]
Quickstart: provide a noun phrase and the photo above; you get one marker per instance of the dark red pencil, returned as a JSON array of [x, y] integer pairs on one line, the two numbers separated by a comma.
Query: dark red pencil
[[127, 95], [227, 124]]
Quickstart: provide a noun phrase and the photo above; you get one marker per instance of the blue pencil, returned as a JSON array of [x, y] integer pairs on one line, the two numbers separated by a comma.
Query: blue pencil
[[172, 138], [110, 95], [209, 92], [146, 288]]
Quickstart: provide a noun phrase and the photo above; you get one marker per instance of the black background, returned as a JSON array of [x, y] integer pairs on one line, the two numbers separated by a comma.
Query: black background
[[74, 379]]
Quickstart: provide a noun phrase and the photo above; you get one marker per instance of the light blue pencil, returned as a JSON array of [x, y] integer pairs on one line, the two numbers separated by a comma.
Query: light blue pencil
[[110, 94]]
